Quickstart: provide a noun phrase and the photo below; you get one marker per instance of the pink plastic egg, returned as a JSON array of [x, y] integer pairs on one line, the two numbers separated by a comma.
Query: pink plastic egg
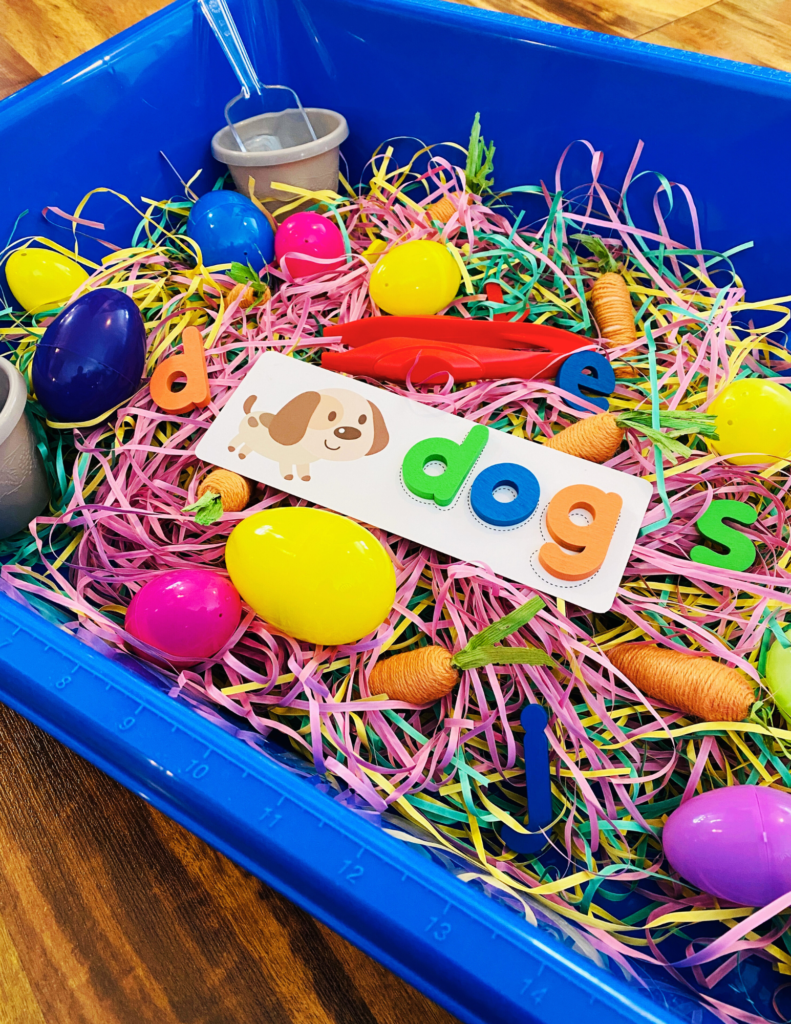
[[309, 234], [188, 614], [733, 843]]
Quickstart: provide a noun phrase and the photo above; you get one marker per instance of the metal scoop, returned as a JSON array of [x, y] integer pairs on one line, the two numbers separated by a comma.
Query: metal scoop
[[294, 121]]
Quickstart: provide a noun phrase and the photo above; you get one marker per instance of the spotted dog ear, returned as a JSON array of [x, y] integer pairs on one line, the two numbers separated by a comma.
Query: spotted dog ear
[[288, 426], [249, 402], [381, 436]]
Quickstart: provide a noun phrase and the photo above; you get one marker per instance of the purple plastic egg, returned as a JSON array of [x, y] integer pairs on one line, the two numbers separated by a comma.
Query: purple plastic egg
[[309, 234], [733, 843], [188, 614]]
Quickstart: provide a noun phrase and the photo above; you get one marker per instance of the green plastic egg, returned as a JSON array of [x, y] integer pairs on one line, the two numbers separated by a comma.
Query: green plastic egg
[[778, 677]]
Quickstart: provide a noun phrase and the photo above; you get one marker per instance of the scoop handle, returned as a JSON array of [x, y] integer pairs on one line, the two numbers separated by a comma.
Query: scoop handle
[[224, 27]]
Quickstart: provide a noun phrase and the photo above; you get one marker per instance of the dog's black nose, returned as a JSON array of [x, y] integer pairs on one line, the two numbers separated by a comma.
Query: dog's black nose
[[347, 433]]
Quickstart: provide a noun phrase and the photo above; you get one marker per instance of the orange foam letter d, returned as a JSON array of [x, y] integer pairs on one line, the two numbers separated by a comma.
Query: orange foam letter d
[[190, 364], [591, 542]]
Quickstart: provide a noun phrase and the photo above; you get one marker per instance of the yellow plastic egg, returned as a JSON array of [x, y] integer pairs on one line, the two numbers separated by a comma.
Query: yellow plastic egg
[[42, 279], [415, 279], [753, 417], [314, 575]]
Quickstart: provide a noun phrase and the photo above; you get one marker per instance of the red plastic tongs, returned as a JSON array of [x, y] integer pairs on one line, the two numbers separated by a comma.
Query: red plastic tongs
[[425, 347]]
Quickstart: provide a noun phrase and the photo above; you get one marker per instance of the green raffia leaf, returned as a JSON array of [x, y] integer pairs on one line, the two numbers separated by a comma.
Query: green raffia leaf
[[677, 424], [207, 509], [243, 274], [506, 625], [607, 264], [673, 449], [480, 161], [489, 654], [246, 275]]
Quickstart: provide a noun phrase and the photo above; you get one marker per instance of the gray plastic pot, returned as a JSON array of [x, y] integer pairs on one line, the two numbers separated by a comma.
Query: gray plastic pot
[[24, 491], [311, 165]]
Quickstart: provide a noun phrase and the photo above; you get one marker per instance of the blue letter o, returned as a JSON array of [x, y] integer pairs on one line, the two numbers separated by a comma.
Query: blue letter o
[[504, 513]]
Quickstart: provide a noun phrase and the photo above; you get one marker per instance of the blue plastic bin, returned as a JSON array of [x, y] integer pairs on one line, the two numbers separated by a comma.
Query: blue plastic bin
[[393, 67]]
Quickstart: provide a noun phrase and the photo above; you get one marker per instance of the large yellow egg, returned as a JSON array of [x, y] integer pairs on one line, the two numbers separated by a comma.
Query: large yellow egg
[[315, 575], [415, 279], [754, 417], [42, 279]]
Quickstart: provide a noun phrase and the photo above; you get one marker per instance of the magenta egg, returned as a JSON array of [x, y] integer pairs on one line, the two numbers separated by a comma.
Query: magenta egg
[[734, 843], [309, 234], [188, 614]]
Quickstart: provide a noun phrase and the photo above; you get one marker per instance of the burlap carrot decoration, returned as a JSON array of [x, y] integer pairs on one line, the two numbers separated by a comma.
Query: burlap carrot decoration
[[220, 491], [599, 437], [696, 685], [609, 297], [428, 673], [480, 164]]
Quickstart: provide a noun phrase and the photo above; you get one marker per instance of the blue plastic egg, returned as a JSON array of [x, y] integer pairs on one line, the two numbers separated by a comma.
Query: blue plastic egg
[[229, 228], [90, 358]]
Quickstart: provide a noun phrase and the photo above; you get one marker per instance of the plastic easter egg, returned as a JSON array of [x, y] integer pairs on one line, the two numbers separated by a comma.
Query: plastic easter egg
[[778, 677], [188, 614], [229, 228], [753, 416], [734, 843], [314, 575], [416, 278], [309, 234], [42, 279], [90, 358]]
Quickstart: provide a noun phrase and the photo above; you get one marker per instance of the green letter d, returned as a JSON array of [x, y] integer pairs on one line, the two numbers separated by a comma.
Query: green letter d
[[458, 460]]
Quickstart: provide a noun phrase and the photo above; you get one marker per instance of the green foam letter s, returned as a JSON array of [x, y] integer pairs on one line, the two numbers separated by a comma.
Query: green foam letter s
[[739, 552], [458, 460]]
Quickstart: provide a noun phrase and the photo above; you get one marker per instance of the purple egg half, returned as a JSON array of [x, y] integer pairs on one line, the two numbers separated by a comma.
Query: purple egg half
[[188, 614], [734, 843]]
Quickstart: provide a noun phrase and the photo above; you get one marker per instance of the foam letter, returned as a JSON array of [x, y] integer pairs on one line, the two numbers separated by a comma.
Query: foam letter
[[591, 541], [458, 460], [504, 513], [192, 365], [601, 379], [539, 794], [739, 550]]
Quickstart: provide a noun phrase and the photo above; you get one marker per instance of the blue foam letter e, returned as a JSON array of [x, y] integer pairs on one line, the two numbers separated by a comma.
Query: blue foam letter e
[[571, 377]]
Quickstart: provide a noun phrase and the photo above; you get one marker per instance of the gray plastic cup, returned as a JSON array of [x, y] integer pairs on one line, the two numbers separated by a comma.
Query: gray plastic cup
[[277, 152], [24, 490]]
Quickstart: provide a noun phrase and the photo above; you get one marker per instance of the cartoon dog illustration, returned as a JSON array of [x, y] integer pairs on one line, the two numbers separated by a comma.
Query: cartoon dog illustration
[[335, 424]]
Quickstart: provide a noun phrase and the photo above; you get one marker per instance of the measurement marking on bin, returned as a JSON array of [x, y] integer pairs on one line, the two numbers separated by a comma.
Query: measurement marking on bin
[[442, 929], [350, 872]]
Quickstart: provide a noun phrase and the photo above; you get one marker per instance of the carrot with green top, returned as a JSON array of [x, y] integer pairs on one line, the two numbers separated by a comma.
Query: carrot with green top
[[428, 673], [597, 438], [610, 299], [220, 491], [480, 164]]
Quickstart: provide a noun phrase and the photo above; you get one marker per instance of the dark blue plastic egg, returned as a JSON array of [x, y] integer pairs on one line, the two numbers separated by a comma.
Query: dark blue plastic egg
[[229, 228], [90, 358]]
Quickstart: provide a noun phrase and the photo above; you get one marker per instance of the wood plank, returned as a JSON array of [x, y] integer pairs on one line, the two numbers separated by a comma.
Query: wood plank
[[630, 18], [110, 913], [47, 33], [753, 32], [15, 72]]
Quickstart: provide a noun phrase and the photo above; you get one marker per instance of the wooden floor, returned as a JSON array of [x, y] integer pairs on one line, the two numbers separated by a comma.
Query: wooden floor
[[109, 912], [39, 35]]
